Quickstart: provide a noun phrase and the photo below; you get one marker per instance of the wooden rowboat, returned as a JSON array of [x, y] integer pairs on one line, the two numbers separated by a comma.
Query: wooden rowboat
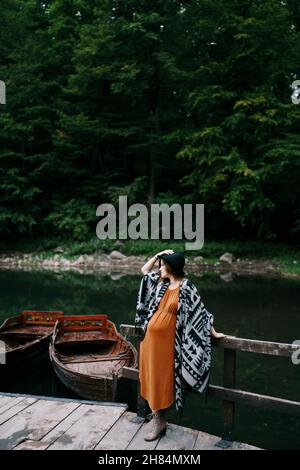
[[24, 337], [88, 355]]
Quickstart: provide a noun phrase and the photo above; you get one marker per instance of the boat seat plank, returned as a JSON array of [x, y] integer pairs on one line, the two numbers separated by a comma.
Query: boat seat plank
[[106, 368], [28, 330], [83, 358], [80, 337], [103, 359], [12, 344]]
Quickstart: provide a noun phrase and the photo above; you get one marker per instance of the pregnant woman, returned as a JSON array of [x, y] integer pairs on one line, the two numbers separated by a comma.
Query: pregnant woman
[[176, 348]]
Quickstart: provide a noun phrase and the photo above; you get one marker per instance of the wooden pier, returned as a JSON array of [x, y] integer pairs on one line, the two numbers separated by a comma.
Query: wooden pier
[[41, 423]]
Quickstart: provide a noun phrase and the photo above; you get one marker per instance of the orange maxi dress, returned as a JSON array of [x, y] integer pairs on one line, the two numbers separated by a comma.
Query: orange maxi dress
[[157, 351]]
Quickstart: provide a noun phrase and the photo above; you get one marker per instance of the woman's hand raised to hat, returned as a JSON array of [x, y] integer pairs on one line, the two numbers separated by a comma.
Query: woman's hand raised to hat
[[164, 252], [149, 265]]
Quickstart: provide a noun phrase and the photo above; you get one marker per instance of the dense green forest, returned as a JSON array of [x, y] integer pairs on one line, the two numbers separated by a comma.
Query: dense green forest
[[162, 101]]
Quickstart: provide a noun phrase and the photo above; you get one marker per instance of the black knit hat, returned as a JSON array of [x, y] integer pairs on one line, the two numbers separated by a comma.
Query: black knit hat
[[176, 261]]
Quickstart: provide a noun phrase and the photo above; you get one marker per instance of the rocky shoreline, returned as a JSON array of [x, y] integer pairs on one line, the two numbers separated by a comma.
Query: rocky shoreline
[[117, 262]]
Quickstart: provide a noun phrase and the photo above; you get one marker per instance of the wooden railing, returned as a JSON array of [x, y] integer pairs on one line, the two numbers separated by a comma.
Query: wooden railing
[[228, 393]]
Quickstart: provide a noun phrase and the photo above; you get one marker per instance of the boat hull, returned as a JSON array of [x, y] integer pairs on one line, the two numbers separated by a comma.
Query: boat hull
[[96, 388], [25, 337], [31, 352], [89, 361]]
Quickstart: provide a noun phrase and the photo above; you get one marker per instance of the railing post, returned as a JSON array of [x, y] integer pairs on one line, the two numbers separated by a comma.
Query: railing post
[[229, 382]]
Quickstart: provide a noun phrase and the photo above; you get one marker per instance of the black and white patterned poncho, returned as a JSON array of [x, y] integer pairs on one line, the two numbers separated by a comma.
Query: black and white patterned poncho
[[193, 337]]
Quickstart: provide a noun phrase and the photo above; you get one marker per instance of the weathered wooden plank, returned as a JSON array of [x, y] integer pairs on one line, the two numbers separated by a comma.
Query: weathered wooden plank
[[31, 445], [206, 441], [223, 393], [256, 346], [231, 342], [130, 373], [64, 425], [4, 400], [177, 438], [66, 400], [229, 382], [131, 330], [138, 442], [86, 433], [121, 433], [9, 402], [255, 399], [33, 422], [242, 446], [15, 409]]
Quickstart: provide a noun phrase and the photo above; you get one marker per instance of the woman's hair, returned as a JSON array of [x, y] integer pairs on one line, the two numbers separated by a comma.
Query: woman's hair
[[169, 268]]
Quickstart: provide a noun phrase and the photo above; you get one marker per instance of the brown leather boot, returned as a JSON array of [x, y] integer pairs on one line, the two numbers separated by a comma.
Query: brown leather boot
[[158, 425]]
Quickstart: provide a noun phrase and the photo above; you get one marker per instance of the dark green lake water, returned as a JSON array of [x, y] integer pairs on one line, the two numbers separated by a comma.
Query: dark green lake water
[[247, 307]]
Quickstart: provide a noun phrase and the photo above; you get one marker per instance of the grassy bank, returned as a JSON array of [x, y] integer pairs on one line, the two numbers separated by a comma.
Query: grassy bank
[[284, 256]]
